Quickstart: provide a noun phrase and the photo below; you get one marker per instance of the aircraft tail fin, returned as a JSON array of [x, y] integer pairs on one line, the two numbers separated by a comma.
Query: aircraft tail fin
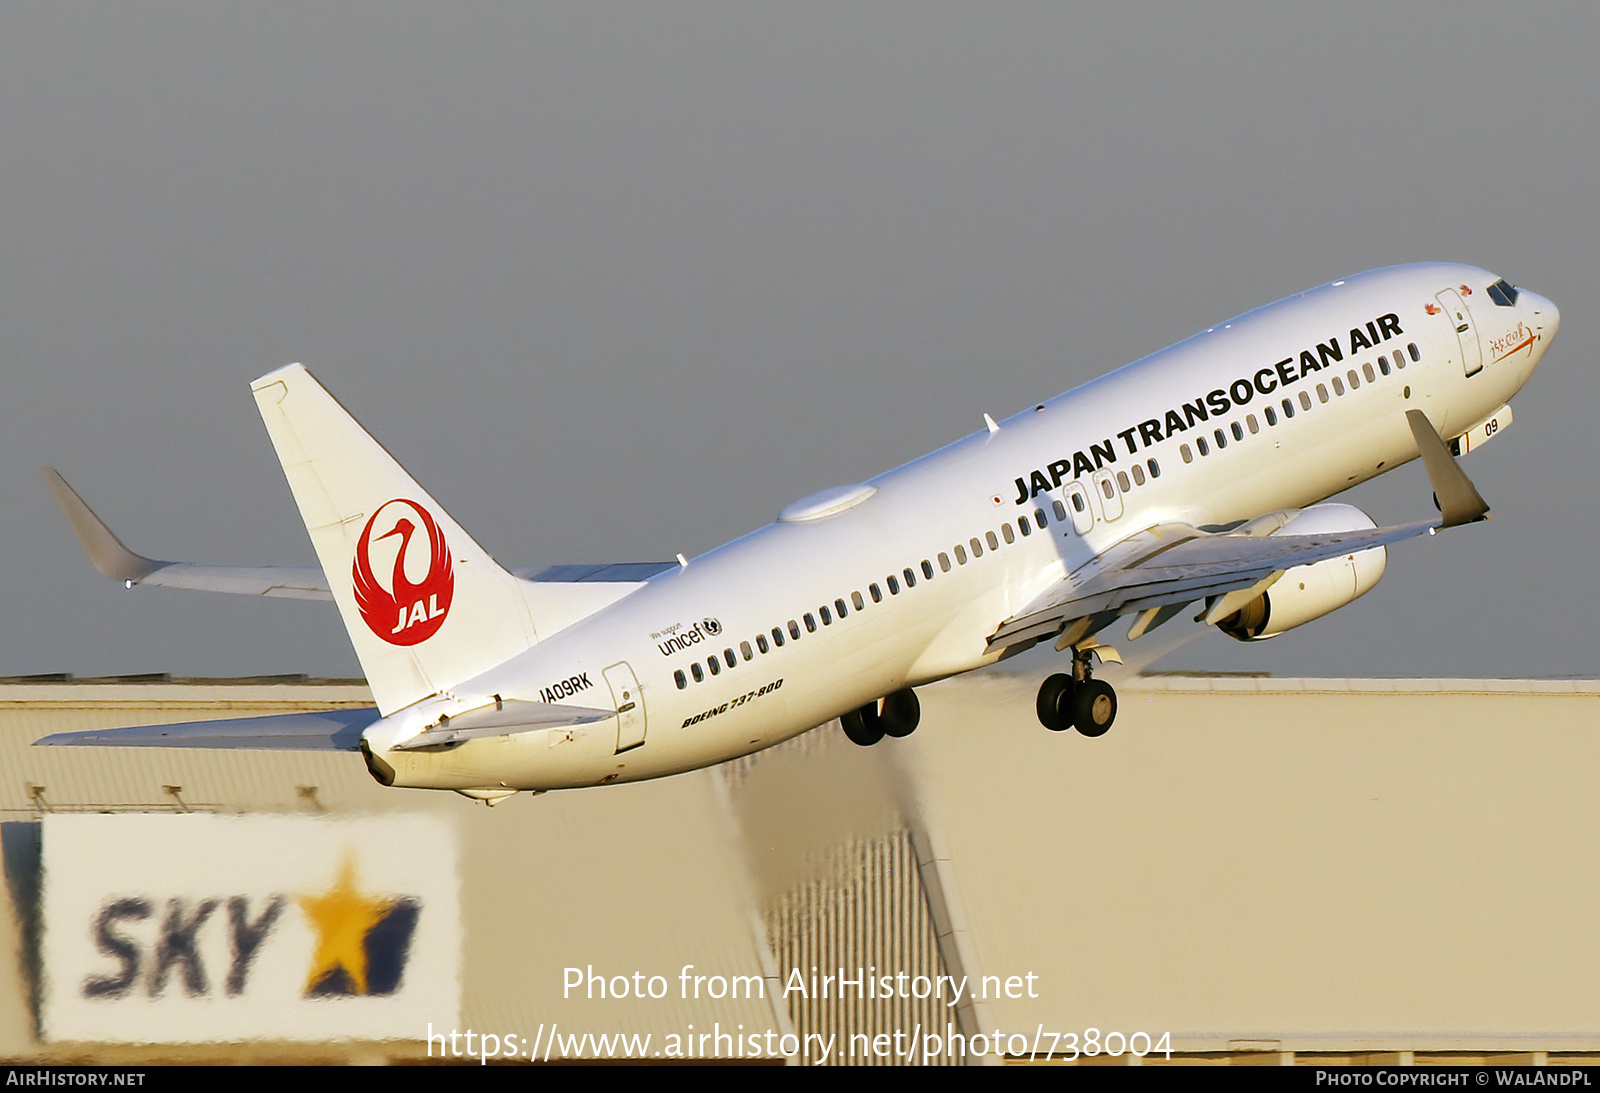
[[425, 606]]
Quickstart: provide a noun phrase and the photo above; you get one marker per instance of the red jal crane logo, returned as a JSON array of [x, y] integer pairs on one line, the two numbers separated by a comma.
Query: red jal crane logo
[[407, 612]]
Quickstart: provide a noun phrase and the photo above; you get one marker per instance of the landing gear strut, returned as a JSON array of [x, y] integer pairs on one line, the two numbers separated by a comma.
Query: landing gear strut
[[1077, 700], [898, 716]]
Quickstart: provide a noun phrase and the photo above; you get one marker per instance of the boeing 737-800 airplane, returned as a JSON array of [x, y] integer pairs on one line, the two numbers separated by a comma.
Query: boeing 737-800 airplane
[[1197, 476]]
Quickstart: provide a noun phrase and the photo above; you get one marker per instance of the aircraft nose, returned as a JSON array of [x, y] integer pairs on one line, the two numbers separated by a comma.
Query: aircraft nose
[[1546, 316]]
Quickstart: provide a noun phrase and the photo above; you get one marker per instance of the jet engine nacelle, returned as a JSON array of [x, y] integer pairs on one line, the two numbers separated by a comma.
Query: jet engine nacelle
[[1311, 591]]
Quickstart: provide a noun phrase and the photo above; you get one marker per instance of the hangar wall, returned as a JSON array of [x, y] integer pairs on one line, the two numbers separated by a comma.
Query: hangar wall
[[1259, 870]]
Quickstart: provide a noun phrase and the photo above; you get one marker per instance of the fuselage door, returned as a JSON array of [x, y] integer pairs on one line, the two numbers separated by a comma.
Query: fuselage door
[[1471, 350], [629, 704], [1110, 497], [1077, 500]]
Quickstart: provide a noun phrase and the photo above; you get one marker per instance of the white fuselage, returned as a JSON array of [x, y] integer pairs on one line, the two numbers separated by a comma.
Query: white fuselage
[[1103, 461]]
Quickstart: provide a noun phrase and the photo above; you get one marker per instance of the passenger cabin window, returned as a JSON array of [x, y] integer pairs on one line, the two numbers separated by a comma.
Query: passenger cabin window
[[744, 648], [944, 562], [777, 637], [876, 593], [1288, 409], [1155, 468], [794, 629], [1200, 442], [1022, 525], [1060, 510], [1305, 399], [994, 544], [1250, 420], [1237, 430], [1138, 475], [1338, 388], [855, 598], [827, 619], [1322, 393], [1188, 456], [1271, 415], [911, 578], [1383, 365], [761, 643], [811, 623], [1007, 534], [894, 586], [694, 670], [961, 554], [727, 655], [715, 665], [927, 569], [1122, 483], [977, 548], [1222, 440], [1416, 354], [1366, 370], [678, 678], [1355, 380], [838, 605], [1038, 518]]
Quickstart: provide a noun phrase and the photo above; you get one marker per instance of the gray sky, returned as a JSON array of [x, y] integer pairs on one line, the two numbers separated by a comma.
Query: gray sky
[[617, 281]]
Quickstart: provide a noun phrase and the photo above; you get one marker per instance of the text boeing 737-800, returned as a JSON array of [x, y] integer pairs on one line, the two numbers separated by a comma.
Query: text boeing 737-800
[[1196, 476]]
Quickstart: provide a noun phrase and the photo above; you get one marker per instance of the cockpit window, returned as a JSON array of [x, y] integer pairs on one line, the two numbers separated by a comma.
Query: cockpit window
[[1503, 293]]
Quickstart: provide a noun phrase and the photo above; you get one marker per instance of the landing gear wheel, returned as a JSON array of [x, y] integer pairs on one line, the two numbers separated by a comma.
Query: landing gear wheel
[[1055, 703], [901, 712], [863, 726], [1094, 707]]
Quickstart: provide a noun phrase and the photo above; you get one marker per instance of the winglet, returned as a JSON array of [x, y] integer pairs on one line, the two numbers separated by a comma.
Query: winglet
[[105, 550], [1459, 499]]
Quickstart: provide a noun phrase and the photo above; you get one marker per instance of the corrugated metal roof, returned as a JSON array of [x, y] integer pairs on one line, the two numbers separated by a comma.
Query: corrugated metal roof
[[1311, 865]]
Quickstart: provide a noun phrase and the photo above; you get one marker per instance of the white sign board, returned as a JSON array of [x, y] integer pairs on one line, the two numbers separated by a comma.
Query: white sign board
[[162, 928]]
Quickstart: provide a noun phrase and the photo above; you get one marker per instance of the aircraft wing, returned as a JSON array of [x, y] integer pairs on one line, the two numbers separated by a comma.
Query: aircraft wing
[[116, 561], [1165, 567], [301, 582], [1174, 564]]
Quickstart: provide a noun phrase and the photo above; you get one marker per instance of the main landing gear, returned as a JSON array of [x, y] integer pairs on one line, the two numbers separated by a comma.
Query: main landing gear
[[898, 716], [1077, 700]]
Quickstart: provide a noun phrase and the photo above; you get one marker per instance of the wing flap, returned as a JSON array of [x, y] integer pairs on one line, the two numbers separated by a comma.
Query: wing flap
[[298, 582]]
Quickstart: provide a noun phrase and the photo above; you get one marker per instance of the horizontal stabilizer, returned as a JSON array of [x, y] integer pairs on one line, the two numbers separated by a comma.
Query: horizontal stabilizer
[[328, 730], [503, 719]]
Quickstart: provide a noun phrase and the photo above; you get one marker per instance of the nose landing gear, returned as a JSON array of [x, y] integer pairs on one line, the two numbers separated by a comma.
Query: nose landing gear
[[1077, 700]]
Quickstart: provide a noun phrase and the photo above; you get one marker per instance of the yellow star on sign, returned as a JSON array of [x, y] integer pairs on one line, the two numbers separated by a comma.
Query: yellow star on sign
[[341, 918]]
